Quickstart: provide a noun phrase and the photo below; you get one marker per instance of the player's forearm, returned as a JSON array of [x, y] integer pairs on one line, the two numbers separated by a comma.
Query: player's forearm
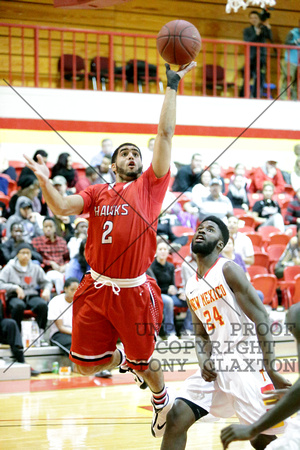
[[167, 120], [166, 127], [54, 200], [288, 405], [266, 341], [202, 350]]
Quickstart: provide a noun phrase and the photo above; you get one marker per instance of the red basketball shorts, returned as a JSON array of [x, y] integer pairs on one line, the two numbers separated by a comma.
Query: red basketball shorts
[[100, 317]]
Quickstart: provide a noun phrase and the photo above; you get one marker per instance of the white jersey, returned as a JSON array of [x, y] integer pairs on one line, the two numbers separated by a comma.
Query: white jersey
[[238, 361], [215, 305]]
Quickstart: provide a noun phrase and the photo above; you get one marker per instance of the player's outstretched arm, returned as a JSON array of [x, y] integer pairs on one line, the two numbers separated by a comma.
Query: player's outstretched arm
[[162, 147], [72, 204], [252, 306]]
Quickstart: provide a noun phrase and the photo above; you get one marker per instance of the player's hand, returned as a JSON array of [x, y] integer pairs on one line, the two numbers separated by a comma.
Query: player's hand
[[173, 77], [236, 433], [279, 381], [46, 295], [276, 394], [39, 168], [208, 371]]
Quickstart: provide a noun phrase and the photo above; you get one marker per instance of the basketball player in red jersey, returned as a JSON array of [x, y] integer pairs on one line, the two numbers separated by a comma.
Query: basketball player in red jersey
[[116, 299], [234, 344]]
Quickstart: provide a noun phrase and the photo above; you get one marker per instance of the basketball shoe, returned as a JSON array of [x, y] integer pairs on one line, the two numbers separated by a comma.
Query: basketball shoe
[[123, 368], [159, 418]]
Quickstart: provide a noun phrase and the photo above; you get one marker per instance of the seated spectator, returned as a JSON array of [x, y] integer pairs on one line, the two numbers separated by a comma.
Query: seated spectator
[[242, 243], [25, 215], [60, 314], [105, 173], [293, 210], [20, 278], [81, 228], [215, 170], [216, 203], [8, 248], [106, 150], [237, 193], [164, 229], [30, 188], [64, 224], [91, 176], [202, 189], [189, 175], [165, 275], [290, 256], [240, 169], [55, 253], [172, 209], [64, 168], [230, 253], [268, 172], [267, 211], [6, 168], [11, 335], [78, 265], [295, 175]]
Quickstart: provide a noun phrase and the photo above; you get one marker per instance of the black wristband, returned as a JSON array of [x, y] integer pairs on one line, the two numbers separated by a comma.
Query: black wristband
[[172, 78]]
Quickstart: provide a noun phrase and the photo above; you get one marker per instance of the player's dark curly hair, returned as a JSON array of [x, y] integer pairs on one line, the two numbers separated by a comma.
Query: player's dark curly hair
[[222, 227]]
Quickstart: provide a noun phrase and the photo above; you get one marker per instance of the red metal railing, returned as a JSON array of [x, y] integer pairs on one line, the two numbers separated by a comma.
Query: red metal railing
[[32, 56]]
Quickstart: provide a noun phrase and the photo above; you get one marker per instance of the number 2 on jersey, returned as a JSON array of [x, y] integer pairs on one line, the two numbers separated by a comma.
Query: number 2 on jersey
[[107, 227], [217, 317]]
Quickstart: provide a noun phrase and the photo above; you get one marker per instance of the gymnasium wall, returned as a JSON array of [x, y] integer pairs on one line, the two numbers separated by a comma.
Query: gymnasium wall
[[209, 125], [136, 16]]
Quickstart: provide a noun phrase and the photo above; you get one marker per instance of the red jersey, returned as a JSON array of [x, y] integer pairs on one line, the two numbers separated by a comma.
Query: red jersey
[[121, 239]]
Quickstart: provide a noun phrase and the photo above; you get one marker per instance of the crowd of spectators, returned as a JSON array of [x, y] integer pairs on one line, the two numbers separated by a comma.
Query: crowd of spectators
[[42, 255]]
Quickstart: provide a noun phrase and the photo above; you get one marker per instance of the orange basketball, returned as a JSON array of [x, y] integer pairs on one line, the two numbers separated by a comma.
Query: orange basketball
[[178, 42]]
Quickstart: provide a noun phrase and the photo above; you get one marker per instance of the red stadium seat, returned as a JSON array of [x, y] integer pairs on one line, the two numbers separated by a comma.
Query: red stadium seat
[[261, 259], [248, 220], [266, 231], [290, 272], [279, 239], [267, 284], [178, 278], [184, 231], [18, 166], [179, 257], [253, 198], [275, 251], [293, 292], [256, 270], [256, 239], [80, 168]]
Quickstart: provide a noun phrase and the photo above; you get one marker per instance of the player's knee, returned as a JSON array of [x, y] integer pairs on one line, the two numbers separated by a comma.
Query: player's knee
[[177, 422]]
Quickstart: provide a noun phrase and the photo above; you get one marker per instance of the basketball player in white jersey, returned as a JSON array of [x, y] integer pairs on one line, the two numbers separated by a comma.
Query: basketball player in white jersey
[[229, 320]]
